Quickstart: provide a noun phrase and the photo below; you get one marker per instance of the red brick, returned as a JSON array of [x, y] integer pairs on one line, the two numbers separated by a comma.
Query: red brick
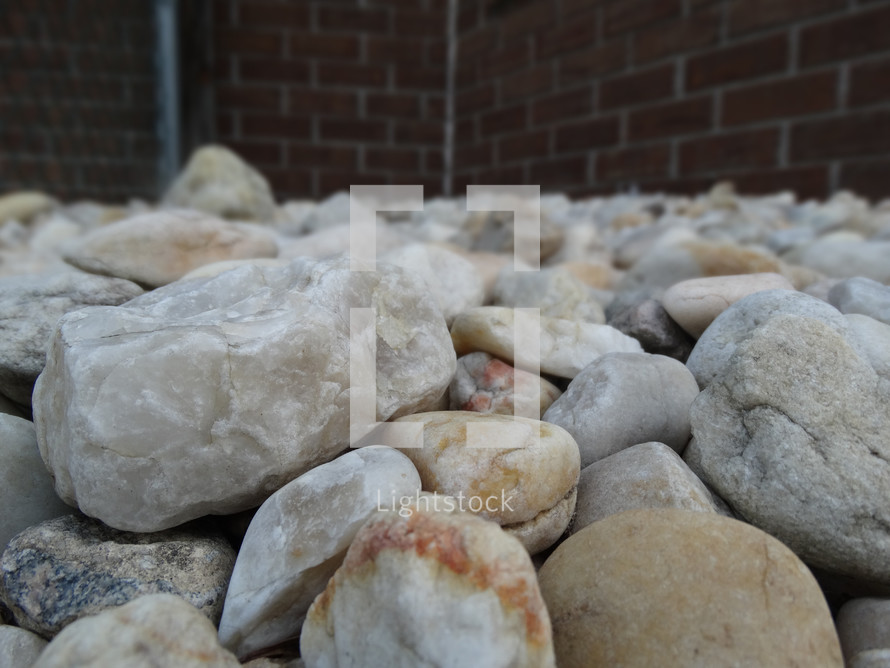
[[353, 130], [274, 70], [467, 74], [348, 74], [523, 146], [805, 182], [527, 83], [848, 135], [248, 97], [275, 126], [335, 46], [243, 40], [420, 132], [419, 22], [501, 176], [324, 102], [757, 148], [576, 33], [434, 108], [436, 53], [594, 133], [693, 32], [747, 15], [478, 42], [510, 119], [505, 60], [474, 155], [474, 99], [353, 19], [257, 152], [735, 63], [685, 185], [422, 78], [225, 124], [289, 182], [527, 20], [273, 14], [592, 63], [562, 106], [330, 182], [392, 105], [559, 172], [327, 155], [627, 15], [433, 162], [465, 130], [868, 83], [846, 37], [632, 164], [868, 178], [675, 118], [394, 50], [644, 86], [795, 96], [390, 158]]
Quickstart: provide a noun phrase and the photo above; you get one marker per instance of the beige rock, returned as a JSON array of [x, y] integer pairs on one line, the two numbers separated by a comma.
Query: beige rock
[[695, 303], [24, 206], [864, 624], [599, 275], [216, 268], [411, 579], [155, 630], [514, 477], [668, 587]]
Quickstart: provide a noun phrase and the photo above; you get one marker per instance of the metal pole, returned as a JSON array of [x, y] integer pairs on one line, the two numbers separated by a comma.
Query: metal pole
[[167, 28]]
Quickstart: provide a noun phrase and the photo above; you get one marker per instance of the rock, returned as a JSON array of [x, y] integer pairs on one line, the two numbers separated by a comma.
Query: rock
[[24, 206], [863, 624], [862, 295], [555, 292], [488, 266], [216, 268], [19, 648], [598, 275], [30, 307], [66, 568], [232, 386], [843, 258], [484, 384], [622, 399], [26, 489], [672, 587], [518, 472], [333, 241], [411, 578], [567, 346], [872, 658], [155, 630], [648, 475], [794, 434], [298, 538], [646, 321], [492, 231], [155, 249], [218, 182], [694, 304], [452, 280]]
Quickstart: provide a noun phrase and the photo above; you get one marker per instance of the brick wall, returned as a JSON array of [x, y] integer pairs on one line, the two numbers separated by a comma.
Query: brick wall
[[322, 94], [598, 95], [77, 98]]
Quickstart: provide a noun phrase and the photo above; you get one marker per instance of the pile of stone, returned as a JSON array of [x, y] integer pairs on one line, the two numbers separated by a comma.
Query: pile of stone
[[692, 468]]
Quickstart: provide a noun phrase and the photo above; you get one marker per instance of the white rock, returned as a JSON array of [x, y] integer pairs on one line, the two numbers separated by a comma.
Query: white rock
[[27, 496], [409, 582], [298, 538], [843, 258], [216, 268], [332, 241], [19, 648], [567, 346], [622, 399], [155, 249], [555, 291], [230, 387], [155, 630], [695, 303], [863, 296], [218, 182], [863, 624]]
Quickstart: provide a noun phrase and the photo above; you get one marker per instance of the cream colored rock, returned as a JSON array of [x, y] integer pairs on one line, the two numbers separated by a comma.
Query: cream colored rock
[[695, 303], [598, 275], [24, 206], [668, 587], [155, 249], [298, 538], [409, 582], [19, 648], [517, 472], [863, 624], [155, 630], [567, 346], [216, 268], [218, 182], [648, 475]]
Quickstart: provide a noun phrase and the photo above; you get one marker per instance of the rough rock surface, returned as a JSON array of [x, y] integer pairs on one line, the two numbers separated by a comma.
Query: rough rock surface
[[794, 434], [521, 473], [19, 648], [298, 538], [218, 182], [30, 307], [72, 566], [408, 581], [27, 496], [622, 399], [567, 346], [647, 321], [231, 387], [485, 384], [151, 631], [155, 249], [668, 587]]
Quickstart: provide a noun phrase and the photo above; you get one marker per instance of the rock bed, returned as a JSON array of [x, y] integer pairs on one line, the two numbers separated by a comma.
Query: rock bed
[[704, 479]]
